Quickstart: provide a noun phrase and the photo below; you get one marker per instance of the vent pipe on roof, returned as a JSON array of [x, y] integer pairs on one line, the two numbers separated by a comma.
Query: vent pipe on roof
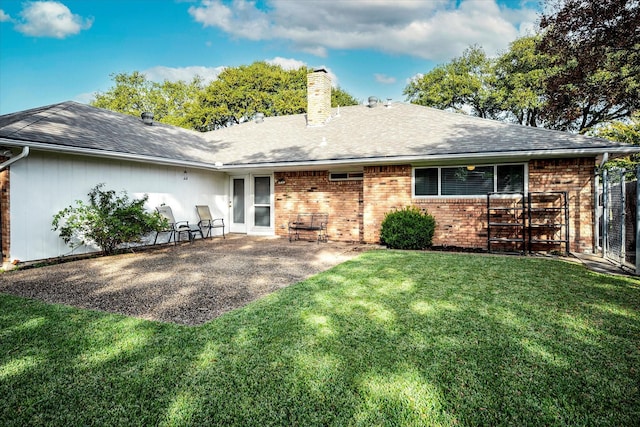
[[147, 118], [373, 101]]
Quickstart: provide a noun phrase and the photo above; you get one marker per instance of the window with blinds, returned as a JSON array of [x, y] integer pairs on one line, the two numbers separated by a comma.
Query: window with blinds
[[468, 180]]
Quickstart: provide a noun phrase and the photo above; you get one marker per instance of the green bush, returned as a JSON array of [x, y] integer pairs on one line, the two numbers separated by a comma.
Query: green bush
[[107, 221], [408, 228]]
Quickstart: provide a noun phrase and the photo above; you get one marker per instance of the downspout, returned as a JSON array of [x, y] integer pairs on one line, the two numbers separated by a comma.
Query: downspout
[[25, 153], [3, 166], [605, 159], [598, 214]]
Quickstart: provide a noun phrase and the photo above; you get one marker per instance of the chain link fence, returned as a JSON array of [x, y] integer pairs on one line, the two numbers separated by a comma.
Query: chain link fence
[[617, 217]]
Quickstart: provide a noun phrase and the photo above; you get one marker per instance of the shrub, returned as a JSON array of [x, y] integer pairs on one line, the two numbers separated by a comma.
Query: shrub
[[408, 228], [107, 221]]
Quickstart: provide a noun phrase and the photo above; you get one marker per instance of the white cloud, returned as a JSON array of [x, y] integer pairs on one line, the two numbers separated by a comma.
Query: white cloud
[[4, 17], [241, 19], [436, 29], [384, 79], [50, 19], [160, 73], [85, 98], [414, 78], [286, 63], [208, 74]]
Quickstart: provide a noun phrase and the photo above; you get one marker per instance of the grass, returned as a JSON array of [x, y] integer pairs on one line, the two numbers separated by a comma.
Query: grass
[[388, 339]]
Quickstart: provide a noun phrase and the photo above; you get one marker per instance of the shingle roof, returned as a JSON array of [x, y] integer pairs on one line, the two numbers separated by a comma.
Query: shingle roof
[[358, 134], [73, 126], [399, 131]]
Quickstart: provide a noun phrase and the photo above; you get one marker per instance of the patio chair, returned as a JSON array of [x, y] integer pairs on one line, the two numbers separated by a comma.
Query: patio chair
[[176, 228], [207, 221]]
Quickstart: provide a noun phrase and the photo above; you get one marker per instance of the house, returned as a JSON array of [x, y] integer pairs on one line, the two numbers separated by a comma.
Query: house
[[357, 163]]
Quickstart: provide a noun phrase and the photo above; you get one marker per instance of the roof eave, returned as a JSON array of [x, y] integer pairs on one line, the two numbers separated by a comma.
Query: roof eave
[[485, 157], [107, 154]]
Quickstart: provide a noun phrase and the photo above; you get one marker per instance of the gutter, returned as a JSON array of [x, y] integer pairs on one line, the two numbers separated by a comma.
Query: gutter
[[111, 155], [25, 153], [483, 157]]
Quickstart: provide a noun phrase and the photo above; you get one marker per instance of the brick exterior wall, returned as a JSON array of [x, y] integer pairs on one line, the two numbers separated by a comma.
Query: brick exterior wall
[[311, 191], [357, 208], [4, 212], [576, 176], [385, 188]]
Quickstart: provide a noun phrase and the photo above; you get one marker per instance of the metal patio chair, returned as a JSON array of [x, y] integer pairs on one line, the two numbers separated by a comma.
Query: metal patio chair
[[208, 222], [177, 228]]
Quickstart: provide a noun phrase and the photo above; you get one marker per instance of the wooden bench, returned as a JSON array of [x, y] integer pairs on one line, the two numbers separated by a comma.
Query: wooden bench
[[309, 223]]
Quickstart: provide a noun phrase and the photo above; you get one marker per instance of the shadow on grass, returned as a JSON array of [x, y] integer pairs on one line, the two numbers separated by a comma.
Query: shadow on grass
[[387, 339]]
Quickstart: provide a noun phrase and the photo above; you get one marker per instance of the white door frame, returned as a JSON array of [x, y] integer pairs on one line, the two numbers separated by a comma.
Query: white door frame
[[241, 226], [249, 226]]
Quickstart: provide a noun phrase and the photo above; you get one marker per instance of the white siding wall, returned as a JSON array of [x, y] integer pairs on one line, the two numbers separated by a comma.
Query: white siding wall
[[44, 183]]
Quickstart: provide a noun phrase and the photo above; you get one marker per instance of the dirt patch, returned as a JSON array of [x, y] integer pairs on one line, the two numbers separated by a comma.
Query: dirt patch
[[187, 284]]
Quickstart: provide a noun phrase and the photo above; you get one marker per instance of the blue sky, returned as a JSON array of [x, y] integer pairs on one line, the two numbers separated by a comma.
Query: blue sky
[[54, 51]]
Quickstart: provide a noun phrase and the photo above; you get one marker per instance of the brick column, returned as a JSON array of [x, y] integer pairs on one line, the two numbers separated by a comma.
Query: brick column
[[385, 188]]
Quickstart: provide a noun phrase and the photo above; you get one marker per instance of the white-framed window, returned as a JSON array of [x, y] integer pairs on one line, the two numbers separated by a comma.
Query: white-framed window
[[345, 176], [468, 180], [262, 201]]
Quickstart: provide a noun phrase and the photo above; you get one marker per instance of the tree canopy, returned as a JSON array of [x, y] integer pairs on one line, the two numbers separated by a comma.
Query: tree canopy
[[505, 88], [594, 47], [467, 81], [235, 96], [581, 70]]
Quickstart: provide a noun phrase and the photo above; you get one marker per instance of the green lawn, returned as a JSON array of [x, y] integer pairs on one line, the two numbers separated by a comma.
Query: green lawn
[[388, 339]]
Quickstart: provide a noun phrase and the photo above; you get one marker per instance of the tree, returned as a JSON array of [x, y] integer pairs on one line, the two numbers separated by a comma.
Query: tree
[[341, 98], [130, 95], [237, 95], [520, 81], [594, 47], [107, 221], [509, 88], [623, 131], [465, 82], [133, 94], [241, 92]]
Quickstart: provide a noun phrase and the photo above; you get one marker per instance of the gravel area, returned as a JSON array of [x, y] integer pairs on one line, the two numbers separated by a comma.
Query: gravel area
[[188, 284]]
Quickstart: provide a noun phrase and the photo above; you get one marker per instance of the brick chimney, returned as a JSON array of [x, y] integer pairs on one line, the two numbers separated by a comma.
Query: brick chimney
[[318, 97]]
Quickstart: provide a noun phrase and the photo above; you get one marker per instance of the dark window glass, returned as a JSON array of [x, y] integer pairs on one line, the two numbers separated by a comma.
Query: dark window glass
[[337, 176], [262, 216], [426, 182], [262, 190], [511, 178]]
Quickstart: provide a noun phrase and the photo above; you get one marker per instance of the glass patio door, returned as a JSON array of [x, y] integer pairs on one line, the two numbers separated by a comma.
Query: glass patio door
[[251, 204], [238, 205]]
